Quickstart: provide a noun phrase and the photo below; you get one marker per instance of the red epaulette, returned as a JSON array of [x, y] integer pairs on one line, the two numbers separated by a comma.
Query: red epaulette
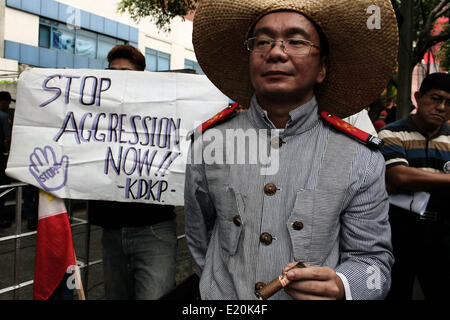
[[362, 136], [218, 118]]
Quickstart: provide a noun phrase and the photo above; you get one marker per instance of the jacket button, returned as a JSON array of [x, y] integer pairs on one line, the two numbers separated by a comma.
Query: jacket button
[[266, 238], [297, 225], [237, 221], [259, 286], [270, 189]]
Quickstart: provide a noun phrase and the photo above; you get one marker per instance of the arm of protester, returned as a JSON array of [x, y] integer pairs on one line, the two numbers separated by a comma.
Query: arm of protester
[[6, 127], [400, 175], [314, 283], [199, 210], [414, 179]]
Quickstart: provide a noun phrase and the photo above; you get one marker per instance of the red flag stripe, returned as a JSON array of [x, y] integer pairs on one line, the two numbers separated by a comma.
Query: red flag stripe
[[54, 252]]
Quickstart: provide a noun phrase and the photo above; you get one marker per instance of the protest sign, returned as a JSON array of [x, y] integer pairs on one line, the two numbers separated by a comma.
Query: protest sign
[[108, 135]]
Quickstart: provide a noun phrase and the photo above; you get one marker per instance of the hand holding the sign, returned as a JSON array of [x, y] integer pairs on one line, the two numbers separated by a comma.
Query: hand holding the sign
[[48, 172]]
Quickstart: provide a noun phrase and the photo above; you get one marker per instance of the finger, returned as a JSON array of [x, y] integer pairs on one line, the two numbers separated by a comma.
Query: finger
[[50, 154], [311, 273], [316, 288], [42, 156], [35, 157], [291, 265]]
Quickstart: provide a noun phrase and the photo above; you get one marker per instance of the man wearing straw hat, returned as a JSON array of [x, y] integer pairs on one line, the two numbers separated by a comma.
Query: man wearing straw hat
[[296, 65]]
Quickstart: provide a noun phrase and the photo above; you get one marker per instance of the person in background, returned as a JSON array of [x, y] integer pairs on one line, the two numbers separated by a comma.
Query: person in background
[[417, 154], [5, 141], [30, 206], [139, 240]]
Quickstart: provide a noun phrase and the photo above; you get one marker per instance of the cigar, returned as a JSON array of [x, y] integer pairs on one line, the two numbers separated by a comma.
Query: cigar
[[276, 284]]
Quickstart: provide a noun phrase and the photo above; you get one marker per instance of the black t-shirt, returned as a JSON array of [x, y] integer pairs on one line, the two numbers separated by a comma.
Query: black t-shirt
[[112, 214]]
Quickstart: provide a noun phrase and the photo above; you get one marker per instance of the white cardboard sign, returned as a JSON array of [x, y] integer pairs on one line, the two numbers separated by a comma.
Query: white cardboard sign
[[108, 135]]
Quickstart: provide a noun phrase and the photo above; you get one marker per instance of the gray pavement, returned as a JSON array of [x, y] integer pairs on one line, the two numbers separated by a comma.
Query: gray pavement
[[93, 276]]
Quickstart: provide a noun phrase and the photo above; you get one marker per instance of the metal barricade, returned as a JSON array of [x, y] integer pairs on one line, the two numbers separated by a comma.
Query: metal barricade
[[17, 237], [183, 257]]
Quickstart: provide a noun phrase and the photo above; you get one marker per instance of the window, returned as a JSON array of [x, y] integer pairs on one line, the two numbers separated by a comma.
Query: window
[[63, 39], [54, 35], [189, 64], [86, 44], [44, 36], [157, 60], [104, 45]]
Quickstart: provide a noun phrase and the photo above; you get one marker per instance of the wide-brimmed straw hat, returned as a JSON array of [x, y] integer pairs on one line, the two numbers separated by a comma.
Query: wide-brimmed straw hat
[[362, 58]]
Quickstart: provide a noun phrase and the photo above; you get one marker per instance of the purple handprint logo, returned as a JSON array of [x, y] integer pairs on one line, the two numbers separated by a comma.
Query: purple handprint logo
[[48, 172]]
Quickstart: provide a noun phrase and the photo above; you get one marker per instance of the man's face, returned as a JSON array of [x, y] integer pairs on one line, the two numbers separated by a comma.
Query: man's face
[[4, 104], [122, 64], [279, 75], [433, 107]]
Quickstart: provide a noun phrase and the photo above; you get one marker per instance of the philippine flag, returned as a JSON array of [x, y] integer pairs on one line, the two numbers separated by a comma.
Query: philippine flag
[[54, 247]]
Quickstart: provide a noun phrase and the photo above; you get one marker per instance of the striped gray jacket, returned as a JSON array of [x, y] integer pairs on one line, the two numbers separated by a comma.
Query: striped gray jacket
[[330, 183]]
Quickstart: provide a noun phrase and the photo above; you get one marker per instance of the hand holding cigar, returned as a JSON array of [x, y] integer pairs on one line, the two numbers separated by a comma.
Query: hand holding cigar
[[276, 284], [303, 282]]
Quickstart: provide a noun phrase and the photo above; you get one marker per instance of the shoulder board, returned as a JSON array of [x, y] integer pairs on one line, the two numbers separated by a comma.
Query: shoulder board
[[355, 133], [227, 113], [222, 116]]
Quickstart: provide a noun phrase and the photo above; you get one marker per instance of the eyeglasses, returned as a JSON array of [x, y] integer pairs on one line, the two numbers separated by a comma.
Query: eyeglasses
[[438, 100], [293, 46]]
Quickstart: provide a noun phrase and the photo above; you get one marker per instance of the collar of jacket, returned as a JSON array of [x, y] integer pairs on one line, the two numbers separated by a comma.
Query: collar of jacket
[[303, 118]]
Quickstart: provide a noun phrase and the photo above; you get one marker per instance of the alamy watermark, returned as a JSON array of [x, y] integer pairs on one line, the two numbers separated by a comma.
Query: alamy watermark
[[74, 19], [374, 279], [374, 21], [73, 280], [238, 146]]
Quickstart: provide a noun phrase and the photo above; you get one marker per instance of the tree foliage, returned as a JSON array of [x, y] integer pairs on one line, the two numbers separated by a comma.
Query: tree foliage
[[159, 11], [416, 20], [426, 12], [444, 52], [429, 12], [420, 21]]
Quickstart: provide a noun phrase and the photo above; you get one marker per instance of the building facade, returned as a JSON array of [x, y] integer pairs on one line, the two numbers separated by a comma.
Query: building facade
[[80, 33]]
